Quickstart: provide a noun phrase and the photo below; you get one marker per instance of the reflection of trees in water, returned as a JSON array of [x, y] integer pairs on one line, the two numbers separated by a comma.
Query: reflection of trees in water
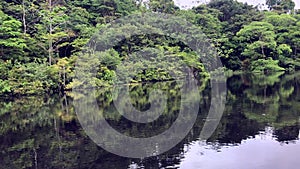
[[271, 100], [32, 128], [44, 132], [287, 133]]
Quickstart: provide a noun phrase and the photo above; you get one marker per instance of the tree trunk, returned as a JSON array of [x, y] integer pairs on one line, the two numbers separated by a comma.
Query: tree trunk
[[24, 17], [262, 46], [64, 68], [35, 158], [262, 51], [50, 34]]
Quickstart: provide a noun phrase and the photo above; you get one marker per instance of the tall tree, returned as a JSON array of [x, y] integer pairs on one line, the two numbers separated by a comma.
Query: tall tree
[[163, 6], [12, 43], [259, 40], [286, 5], [53, 28], [272, 3]]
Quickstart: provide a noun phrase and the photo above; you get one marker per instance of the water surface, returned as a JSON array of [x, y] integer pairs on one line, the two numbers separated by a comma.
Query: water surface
[[259, 129]]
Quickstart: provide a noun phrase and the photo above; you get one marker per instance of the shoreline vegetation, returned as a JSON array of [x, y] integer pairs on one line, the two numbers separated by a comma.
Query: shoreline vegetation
[[40, 41]]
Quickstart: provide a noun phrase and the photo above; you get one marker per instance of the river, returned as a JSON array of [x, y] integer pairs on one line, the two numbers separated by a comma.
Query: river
[[259, 128]]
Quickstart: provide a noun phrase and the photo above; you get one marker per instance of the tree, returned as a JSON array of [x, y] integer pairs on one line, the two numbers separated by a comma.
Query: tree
[[286, 5], [79, 23], [294, 36], [164, 6], [286, 28], [233, 16], [26, 11], [272, 3], [283, 26], [53, 30], [104, 11], [12, 43], [230, 8], [258, 40], [281, 23]]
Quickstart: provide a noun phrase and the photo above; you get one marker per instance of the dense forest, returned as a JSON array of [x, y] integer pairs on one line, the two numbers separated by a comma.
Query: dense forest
[[40, 41]]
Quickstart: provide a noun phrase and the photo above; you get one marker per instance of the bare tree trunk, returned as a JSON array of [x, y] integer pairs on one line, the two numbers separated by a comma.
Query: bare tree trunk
[[66, 104], [50, 34], [56, 127], [265, 94], [35, 158], [24, 17], [262, 47], [64, 76], [262, 51]]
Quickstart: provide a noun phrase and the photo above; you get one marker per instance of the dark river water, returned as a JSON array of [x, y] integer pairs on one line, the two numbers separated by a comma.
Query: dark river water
[[259, 128]]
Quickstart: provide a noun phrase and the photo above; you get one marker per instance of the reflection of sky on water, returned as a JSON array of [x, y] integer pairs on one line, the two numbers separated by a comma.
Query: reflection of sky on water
[[261, 152]]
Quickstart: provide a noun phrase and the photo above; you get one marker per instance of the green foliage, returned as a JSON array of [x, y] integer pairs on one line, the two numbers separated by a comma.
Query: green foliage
[[163, 6], [29, 78], [269, 65], [12, 43], [271, 3], [258, 42], [286, 5]]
